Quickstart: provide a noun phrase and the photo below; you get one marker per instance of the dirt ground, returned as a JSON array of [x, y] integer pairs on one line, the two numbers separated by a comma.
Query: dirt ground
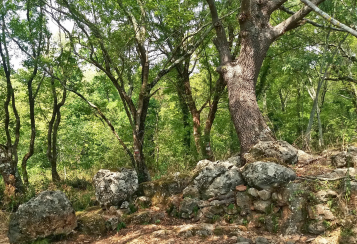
[[169, 230]]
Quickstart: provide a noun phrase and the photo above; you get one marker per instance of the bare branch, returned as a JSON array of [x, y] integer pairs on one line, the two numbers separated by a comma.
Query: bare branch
[[329, 18], [286, 10], [294, 20]]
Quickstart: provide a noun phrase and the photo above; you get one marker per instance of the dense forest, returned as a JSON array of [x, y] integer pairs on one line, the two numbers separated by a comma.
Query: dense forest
[[159, 85]]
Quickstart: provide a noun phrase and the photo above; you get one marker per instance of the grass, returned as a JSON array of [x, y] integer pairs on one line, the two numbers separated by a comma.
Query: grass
[[77, 186]]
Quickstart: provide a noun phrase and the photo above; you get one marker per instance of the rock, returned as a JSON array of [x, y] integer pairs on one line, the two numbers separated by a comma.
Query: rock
[[253, 192], [202, 230], [262, 206], [113, 188], [264, 194], [191, 191], [242, 240], [281, 151], [345, 159], [261, 240], [112, 223], [188, 207], [50, 213], [217, 178], [125, 205], [304, 157], [142, 202], [143, 217], [213, 212], [320, 212], [235, 161], [293, 216], [213, 179], [339, 173], [243, 203], [265, 175], [325, 195], [316, 228]]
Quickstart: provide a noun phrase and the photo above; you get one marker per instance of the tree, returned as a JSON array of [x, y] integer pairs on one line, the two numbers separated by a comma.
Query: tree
[[241, 73], [30, 36], [114, 51], [9, 151]]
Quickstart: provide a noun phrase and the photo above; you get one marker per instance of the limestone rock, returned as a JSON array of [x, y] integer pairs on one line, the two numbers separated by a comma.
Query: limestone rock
[[262, 206], [235, 161], [281, 151], [243, 203], [345, 159], [320, 212], [224, 183], [191, 191], [113, 188], [144, 217], [325, 195], [50, 213], [261, 240], [253, 192], [213, 179], [264, 194], [265, 175], [142, 202], [304, 157], [293, 216], [316, 228], [188, 207]]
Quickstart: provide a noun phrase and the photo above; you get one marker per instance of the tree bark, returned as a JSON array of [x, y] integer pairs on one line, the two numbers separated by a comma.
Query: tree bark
[[256, 35]]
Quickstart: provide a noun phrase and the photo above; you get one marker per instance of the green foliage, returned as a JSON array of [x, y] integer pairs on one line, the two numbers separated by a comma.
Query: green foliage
[[121, 225]]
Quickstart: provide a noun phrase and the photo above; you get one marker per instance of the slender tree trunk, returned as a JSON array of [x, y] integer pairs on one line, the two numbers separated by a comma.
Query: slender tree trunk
[[8, 152], [52, 132], [219, 88], [33, 128], [185, 119]]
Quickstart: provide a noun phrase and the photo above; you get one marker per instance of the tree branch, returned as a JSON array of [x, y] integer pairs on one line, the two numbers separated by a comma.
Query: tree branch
[[294, 20], [329, 18]]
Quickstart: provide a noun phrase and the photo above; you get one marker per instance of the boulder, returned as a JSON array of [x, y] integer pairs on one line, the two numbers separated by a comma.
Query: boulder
[[265, 175], [50, 213], [113, 188], [345, 159], [279, 151], [214, 179]]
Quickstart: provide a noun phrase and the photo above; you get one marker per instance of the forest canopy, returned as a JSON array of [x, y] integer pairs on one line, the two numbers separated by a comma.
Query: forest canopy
[[159, 85]]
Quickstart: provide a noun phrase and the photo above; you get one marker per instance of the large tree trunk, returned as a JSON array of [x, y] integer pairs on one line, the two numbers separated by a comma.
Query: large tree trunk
[[256, 35], [241, 77]]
